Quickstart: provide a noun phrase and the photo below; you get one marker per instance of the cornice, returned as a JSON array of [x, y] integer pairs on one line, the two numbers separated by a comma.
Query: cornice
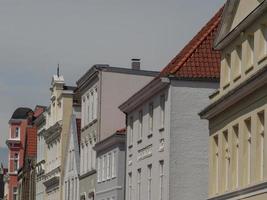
[[242, 192], [114, 139], [250, 85], [53, 132]]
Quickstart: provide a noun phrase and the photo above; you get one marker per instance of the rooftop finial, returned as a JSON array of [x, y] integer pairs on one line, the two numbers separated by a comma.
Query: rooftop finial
[[58, 70]]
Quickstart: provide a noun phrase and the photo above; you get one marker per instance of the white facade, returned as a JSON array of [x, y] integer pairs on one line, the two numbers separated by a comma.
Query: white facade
[[71, 179], [147, 153]]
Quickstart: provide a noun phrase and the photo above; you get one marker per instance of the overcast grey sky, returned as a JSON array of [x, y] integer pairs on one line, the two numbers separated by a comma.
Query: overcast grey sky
[[36, 35]]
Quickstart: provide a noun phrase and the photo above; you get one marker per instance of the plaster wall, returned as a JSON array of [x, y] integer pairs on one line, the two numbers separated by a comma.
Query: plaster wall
[[188, 167]]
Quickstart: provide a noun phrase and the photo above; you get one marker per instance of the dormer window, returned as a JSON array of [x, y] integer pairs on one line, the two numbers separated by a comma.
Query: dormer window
[[226, 70], [237, 63]]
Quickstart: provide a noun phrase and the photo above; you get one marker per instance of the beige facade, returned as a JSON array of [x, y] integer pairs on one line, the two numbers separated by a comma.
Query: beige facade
[[238, 112], [58, 118]]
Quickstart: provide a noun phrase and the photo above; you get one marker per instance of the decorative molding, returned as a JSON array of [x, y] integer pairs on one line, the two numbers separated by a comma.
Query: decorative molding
[[53, 132], [144, 153]]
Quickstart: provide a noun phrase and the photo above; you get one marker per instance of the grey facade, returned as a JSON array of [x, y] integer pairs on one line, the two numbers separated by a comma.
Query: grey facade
[[111, 167], [169, 160], [103, 89]]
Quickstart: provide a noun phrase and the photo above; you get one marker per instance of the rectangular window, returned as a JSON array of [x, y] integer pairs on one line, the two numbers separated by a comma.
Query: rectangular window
[[139, 184], [130, 131], [140, 128], [235, 155], [17, 132], [260, 142], [91, 117], [83, 111], [151, 116], [248, 149], [216, 163], [130, 186], [113, 164], [149, 177], [227, 69], [88, 108], [99, 170], [108, 166], [227, 160], [16, 162], [104, 168], [95, 104], [15, 193], [161, 177], [162, 111]]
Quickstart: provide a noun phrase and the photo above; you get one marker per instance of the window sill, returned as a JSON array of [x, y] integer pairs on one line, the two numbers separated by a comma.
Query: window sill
[[150, 135], [249, 69], [226, 86], [262, 58], [237, 77], [139, 141]]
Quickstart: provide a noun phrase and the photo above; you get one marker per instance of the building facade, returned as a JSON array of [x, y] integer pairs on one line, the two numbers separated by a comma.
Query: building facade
[[58, 118], [16, 145], [237, 114], [166, 141], [110, 156], [3, 172], [40, 123], [103, 89], [72, 162], [26, 174]]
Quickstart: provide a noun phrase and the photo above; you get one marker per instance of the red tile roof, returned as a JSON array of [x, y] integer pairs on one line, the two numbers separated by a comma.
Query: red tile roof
[[198, 59]]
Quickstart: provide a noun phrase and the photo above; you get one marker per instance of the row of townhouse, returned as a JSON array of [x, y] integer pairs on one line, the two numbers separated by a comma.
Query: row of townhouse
[[132, 134]]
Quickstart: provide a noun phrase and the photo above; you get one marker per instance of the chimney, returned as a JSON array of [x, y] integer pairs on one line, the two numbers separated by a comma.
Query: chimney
[[136, 64]]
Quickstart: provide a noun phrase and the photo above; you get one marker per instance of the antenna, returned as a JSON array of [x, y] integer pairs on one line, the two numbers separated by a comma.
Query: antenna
[[58, 70]]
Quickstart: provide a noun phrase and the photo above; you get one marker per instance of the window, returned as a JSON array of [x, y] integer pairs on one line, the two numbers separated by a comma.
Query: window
[[16, 161], [216, 163], [247, 150], [226, 160], [99, 169], [131, 131], [108, 166], [88, 99], [130, 186], [140, 128], [139, 184], [104, 168], [235, 155], [95, 104], [83, 112], [82, 158], [17, 132], [161, 177], [162, 110], [113, 165], [149, 181], [151, 116], [15, 193], [260, 143], [91, 102]]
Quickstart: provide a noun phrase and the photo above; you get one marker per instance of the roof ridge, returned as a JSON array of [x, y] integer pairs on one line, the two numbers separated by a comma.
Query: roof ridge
[[211, 24]]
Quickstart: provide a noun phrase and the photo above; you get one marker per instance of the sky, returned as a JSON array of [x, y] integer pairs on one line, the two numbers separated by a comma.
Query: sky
[[37, 35]]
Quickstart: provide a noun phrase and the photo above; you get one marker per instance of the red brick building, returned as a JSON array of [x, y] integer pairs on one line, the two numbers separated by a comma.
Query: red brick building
[[19, 124]]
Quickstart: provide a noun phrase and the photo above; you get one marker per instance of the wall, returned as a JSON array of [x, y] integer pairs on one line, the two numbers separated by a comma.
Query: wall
[[189, 140], [117, 88]]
